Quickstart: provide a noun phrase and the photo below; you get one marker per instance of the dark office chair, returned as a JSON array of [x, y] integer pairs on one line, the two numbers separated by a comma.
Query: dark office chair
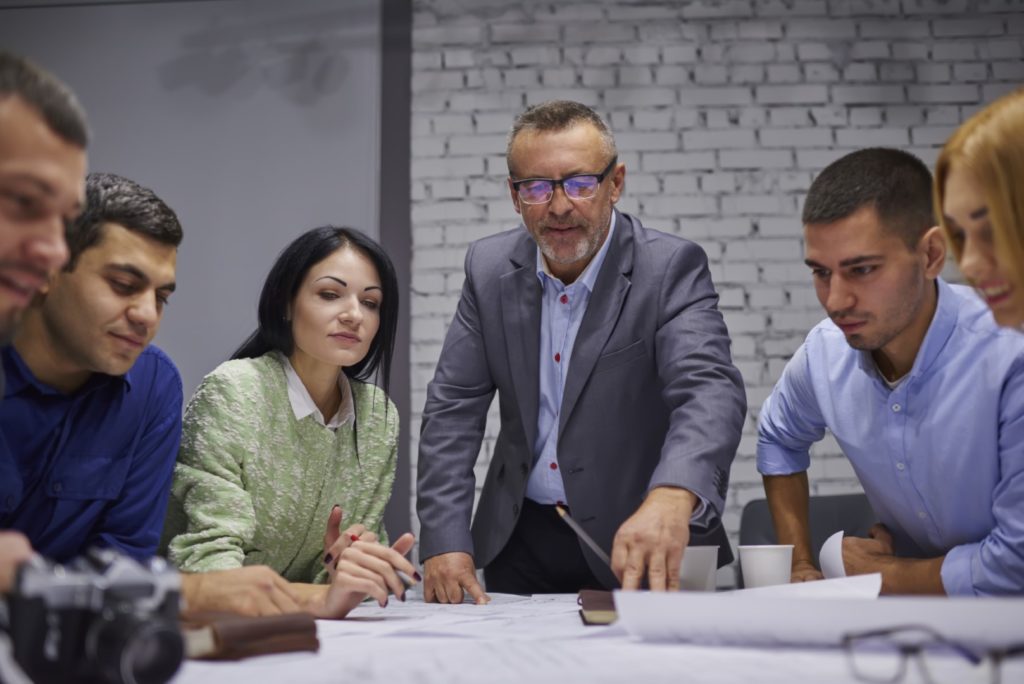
[[850, 513]]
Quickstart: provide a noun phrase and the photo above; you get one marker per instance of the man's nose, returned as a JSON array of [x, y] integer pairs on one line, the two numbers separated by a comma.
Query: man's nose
[[840, 296], [145, 311], [45, 246], [560, 203]]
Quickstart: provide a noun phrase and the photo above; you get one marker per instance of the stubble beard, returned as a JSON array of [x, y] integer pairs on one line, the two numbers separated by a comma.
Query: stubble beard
[[902, 317], [584, 249], [9, 325]]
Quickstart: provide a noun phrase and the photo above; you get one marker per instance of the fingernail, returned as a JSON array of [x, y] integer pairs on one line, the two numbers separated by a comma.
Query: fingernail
[[416, 576], [335, 506], [354, 537], [402, 597], [385, 603], [327, 559]]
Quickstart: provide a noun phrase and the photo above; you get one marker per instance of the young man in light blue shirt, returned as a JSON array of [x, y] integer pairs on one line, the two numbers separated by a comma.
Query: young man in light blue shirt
[[923, 392]]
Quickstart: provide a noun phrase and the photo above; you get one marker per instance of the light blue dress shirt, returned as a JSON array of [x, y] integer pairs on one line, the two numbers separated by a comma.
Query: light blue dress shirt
[[940, 457], [562, 310]]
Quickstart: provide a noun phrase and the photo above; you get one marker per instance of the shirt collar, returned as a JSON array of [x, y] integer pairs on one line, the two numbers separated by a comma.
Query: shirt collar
[[589, 275], [19, 377], [941, 327], [303, 404]]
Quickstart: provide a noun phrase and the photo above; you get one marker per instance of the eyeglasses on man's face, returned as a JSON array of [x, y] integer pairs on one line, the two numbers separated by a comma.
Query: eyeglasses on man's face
[[881, 656], [581, 186]]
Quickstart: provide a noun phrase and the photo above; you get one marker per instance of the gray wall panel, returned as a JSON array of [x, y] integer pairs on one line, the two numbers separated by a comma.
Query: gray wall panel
[[253, 119]]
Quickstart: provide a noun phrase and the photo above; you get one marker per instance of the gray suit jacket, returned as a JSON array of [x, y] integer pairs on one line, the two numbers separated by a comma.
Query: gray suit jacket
[[651, 398]]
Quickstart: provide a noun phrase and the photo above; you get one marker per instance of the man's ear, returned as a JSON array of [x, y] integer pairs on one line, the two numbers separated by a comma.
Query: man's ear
[[51, 281], [618, 181], [933, 249]]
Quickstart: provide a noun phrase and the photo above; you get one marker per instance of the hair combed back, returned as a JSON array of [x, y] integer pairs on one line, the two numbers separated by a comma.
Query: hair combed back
[[285, 279], [110, 198], [990, 146], [558, 115], [41, 91], [895, 183]]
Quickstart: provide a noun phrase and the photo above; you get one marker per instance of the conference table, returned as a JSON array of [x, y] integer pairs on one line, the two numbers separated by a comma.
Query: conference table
[[536, 640]]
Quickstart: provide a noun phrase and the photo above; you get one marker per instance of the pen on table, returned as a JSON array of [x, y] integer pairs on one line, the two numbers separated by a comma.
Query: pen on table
[[582, 534], [407, 581]]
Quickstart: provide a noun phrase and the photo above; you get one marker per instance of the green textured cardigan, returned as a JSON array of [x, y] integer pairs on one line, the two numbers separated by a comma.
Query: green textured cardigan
[[253, 485]]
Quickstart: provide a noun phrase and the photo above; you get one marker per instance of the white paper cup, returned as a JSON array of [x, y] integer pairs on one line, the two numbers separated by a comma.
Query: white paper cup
[[697, 571], [766, 565]]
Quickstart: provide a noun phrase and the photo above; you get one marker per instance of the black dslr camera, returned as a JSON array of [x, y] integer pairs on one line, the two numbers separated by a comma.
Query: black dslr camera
[[102, 618]]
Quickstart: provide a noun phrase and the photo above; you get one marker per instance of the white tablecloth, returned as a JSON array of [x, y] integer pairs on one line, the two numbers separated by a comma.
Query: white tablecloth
[[538, 640]]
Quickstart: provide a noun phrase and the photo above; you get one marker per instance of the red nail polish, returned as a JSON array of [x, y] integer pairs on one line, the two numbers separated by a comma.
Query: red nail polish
[[327, 559], [354, 537], [416, 575]]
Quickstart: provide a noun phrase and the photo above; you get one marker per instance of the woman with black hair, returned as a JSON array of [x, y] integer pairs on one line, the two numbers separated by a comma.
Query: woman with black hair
[[290, 435]]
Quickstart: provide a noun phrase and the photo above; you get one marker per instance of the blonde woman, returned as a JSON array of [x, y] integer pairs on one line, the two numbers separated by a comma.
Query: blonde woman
[[979, 199]]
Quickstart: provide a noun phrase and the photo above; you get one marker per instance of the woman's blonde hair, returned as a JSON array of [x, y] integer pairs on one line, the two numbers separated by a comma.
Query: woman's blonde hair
[[990, 147]]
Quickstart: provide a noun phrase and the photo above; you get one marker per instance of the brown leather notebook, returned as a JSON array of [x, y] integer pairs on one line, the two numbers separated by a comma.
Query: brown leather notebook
[[212, 635], [597, 607]]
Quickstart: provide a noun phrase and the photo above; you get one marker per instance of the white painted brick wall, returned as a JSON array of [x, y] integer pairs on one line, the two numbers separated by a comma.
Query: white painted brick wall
[[723, 110]]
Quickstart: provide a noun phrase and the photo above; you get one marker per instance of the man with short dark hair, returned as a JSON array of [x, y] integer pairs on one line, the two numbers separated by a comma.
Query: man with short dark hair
[[922, 391], [611, 362], [91, 415], [43, 136]]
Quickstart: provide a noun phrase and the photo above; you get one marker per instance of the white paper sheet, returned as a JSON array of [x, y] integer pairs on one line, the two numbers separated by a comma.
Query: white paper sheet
[[771, 620], [830, 558], [451, 661], [506, 617], [858, 586]]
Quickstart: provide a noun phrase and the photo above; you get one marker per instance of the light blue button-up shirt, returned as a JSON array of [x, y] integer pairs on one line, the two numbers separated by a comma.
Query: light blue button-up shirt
[[562, 309], [940, 456]]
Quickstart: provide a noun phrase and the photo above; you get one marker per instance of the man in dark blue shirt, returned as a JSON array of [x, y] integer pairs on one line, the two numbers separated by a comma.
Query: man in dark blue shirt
[[91, 417], [43, 136]]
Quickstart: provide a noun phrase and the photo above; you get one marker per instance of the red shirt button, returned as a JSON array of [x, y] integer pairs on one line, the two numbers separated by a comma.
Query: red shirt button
[[553, 466], [564, 299], [558, 358]]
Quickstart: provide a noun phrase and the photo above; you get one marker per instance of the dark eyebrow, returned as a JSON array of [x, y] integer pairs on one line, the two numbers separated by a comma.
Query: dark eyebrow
[[40, 185], [852, 261], [136, 272], [858, 260], [344, 284], [46, 189]]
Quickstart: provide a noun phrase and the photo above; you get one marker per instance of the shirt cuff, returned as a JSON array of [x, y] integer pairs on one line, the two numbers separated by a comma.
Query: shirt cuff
[[773, 459], [703, 514], [956, 570]]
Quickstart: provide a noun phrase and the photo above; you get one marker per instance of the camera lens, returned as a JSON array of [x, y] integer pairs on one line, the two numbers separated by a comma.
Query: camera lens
[[133, 651]]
